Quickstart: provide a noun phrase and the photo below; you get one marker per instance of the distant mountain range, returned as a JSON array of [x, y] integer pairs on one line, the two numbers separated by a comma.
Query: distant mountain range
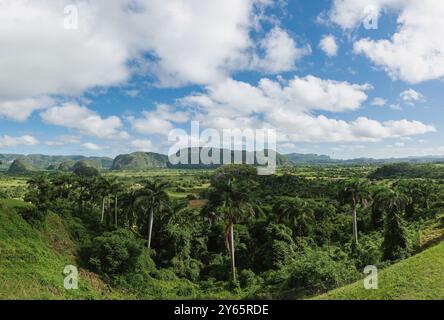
[[150, 160]]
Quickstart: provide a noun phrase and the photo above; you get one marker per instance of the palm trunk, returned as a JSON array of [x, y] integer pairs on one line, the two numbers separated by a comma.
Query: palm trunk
[[355, 225], [115, 211], [150, 227], [103, 210], [233, 264]]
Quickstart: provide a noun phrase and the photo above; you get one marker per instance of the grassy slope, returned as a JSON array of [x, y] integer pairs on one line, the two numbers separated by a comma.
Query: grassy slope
[[32, 261], [417, 278]]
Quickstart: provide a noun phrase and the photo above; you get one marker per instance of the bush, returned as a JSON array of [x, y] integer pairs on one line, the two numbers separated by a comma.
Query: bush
[[316, 272], [115, 252]]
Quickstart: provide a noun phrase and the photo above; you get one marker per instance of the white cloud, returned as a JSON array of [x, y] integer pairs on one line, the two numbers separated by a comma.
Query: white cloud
[[415, 52], [329, 46], [142, 145], [63, 140], [91, 146], [21, 109], [280, 52], [159, 121], [8, 141], [292, 106], [190, 42], [86, 121], [379, 102], [395, 106], [411, 96]]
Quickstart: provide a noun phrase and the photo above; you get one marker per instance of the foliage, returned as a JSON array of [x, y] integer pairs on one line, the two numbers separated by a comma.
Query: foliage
[[115, 252]]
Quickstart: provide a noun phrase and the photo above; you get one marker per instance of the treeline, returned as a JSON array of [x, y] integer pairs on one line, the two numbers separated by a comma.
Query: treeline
[[258, 237], [407, 170]]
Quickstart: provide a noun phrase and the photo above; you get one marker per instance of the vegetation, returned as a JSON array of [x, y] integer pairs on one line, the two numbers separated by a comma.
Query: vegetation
[[217, 234]]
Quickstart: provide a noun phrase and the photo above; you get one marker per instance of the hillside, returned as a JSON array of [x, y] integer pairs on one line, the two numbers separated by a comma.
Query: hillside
[[20, 166], [32, 260], [140, 161], [42, 162], [419, 277]]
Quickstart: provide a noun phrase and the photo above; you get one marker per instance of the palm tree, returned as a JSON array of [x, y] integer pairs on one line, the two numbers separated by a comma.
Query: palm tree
[[356, 193], [233, 205], [152, 199], [102, 188], [393, 203], [128, 203], [297, 213], [115, 187]]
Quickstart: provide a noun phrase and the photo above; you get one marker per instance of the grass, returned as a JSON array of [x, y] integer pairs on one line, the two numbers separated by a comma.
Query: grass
[[417, 278], [32, 260]]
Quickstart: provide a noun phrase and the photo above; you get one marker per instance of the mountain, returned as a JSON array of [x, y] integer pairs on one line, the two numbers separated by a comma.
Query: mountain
[[20, 166], [43, 162], [299, 158], [140, 161], [151, 160]]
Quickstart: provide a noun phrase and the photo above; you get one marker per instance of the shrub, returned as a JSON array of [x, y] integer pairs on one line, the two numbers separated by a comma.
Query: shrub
[[316, 272], [115, 252]]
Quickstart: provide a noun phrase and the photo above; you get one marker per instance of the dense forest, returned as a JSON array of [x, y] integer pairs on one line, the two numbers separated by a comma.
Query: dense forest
[[239, 235]]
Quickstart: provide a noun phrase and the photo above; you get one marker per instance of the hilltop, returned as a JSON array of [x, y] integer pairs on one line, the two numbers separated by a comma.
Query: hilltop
[[20, 166], [140, 160]]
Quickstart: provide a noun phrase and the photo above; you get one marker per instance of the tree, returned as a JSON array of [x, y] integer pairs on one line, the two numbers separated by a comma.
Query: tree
[[115, 187], [356, 193], [297, 213], [152, 199], [102, 188], [395, 245], [40, 194], [233, 205]]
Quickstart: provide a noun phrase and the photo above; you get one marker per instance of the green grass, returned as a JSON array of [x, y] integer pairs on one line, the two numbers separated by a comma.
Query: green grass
[[420, 277], [32, 260]]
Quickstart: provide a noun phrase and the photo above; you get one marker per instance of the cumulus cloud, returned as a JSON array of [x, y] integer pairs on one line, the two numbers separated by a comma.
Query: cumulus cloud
[[72, 61], [91, 146], [411, 96], [159, 121], [292, 106], [8, 141], [329, 46], [142, 145], [415, 52], [379, 102], [86, 121], [21, 109], [280, 52]]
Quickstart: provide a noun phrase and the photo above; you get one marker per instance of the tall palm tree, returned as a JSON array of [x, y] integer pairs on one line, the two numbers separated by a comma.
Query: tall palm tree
[[128, 203], [356, 192], [152, 199], [102, 188], [115, 187], [393, 203], [233, 205]]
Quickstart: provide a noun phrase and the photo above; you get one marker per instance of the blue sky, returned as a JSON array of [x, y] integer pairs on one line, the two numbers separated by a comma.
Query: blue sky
[[117, 76]]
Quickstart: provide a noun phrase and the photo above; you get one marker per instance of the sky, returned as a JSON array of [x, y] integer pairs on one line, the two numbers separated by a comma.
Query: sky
[[344, 78]]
